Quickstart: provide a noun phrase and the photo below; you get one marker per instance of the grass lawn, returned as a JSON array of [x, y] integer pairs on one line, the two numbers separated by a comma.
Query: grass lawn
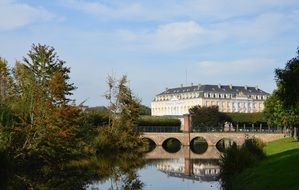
[[280, 170]]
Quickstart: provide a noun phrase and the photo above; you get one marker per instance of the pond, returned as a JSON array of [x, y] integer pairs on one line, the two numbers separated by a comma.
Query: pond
[[162, 167], [167, 170]]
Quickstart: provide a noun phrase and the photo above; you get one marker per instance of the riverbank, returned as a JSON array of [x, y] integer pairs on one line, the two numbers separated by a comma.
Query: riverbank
[[278, 171]]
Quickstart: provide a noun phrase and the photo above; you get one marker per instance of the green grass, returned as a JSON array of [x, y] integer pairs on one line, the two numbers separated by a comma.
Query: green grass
[[280, 170]]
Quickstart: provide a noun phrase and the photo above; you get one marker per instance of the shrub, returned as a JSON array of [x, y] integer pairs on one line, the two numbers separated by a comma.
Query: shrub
[[236, 159], [232, 162], [255, 147], [158, 121], [247, 117]]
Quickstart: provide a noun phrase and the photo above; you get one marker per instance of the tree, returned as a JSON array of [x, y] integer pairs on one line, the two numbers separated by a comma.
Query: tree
[[277, 114], [144, 110], [124, 110], [287, 80], [6, 82], [204, 117], [282, 107], [47, 124]]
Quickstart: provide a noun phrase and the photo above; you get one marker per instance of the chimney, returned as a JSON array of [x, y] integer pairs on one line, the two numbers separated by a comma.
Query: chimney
[[219, 85], [166, 89], [256, 87], [199, 85], [246, 87], [231, 86], [191, 83]]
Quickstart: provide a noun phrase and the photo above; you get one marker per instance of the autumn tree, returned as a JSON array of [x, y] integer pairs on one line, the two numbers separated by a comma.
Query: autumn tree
[[124, 111], [48, 124]]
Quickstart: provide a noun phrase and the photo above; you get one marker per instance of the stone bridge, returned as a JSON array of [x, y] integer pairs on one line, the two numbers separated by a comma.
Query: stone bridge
[[212, 138]]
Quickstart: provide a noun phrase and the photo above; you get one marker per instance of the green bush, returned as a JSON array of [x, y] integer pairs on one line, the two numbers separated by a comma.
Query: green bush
[[247, 117], [232, 162], [158, 121], [255, 147], [236, 159]]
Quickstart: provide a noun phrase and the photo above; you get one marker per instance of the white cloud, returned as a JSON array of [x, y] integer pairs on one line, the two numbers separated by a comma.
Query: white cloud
[[173, 36], [14, 15], [179, 35]]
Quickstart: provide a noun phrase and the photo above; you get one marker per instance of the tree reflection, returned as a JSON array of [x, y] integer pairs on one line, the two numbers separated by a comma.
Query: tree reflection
[[73, 174]]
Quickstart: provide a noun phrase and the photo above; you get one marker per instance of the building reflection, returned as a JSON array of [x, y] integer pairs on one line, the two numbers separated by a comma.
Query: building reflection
[[193, 169], [186, 164]]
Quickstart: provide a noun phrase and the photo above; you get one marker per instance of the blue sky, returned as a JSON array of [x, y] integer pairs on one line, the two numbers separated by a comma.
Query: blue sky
[[156, 42]]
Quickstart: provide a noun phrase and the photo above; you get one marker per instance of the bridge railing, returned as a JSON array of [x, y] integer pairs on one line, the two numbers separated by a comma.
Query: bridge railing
[[253, 129], [176, 129]]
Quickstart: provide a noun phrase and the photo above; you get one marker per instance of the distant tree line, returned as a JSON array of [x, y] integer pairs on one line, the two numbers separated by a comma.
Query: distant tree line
[[209, 117]]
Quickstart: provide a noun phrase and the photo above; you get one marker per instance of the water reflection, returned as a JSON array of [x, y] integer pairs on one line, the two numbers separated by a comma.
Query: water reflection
[[120, 169], [184, 169], [193, 169], [178, 170]]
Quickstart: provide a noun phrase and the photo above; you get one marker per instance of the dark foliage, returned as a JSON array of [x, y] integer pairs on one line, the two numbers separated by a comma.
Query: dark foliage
[[247, 117], [158, 121], [144, 110], [207, 117], [288, 82], [236, 159]]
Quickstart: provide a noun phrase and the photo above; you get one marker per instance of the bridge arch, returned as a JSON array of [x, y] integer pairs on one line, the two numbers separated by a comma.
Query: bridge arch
[[149, 140], [198, 145], [150, 144], [225, 143], [172, 145]]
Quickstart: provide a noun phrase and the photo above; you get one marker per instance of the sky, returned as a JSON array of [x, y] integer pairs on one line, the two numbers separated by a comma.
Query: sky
[[157, 44]]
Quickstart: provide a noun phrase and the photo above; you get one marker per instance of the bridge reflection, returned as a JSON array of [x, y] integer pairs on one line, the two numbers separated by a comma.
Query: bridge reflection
[[185, 152], [186, 164]]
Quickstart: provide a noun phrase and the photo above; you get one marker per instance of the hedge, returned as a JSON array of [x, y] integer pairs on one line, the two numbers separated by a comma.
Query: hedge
[[158, 121]]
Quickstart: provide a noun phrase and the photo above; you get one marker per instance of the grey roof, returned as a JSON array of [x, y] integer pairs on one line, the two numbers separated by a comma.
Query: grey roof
[[216, 89]]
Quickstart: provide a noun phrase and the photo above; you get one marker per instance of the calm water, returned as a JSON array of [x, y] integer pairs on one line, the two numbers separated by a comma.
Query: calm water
[[157, 169], [162, 170]]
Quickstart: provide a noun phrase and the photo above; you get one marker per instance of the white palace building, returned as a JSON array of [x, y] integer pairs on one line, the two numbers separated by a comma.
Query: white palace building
[[177, 101]]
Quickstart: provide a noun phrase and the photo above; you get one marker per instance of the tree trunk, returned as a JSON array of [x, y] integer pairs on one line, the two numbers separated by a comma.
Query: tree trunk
[[295, 133]]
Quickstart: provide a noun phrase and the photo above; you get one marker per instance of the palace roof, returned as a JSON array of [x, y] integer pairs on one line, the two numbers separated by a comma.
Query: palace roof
[[224, 89]]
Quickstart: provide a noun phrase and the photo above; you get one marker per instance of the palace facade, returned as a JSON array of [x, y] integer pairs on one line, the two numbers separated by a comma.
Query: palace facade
[[178, 101]]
